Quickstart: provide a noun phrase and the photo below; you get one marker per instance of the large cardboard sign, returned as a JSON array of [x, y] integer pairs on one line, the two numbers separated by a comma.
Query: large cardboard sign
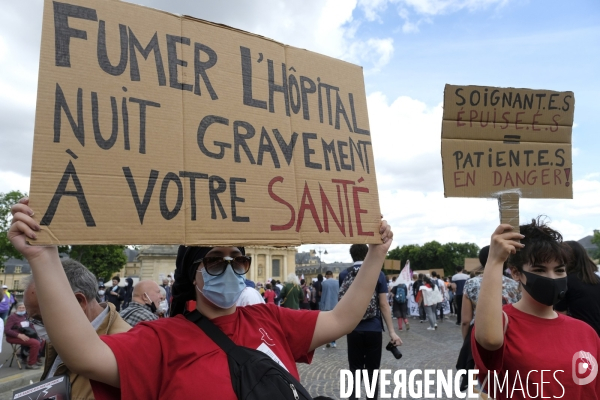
[[504, 139], [156, 128]]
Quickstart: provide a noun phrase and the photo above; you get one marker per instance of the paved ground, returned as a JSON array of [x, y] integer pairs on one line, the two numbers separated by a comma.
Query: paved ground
[[422, 349]]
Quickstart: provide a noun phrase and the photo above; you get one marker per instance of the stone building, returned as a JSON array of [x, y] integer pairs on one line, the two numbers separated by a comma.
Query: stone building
[[13, 272], [310, 265], [157, 261]]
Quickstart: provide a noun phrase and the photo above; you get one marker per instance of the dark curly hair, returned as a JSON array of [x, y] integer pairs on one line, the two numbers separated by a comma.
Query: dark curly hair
[[542, 244]]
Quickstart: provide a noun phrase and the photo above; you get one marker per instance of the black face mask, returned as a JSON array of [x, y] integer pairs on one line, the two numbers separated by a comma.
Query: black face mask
[[151, 305], [545, 290]]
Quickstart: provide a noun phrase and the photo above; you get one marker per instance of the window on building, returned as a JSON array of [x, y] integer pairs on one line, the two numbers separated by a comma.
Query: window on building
[[276, 268], [17, 270], [16, 285]]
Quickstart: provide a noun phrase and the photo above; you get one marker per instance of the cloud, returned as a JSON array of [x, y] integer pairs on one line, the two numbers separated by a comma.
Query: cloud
[[327, 27], [437, 7], [372, 8], [10, 181], [374, 52], [422, 10], [406, 142]]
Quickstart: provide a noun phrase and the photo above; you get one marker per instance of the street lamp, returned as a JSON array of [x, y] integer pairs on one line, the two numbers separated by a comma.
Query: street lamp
[[320, 261]]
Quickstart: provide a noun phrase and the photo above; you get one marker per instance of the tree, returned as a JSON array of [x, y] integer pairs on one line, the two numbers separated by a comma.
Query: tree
[[102, 260], [455, 254], [7, 250], [596, 240], [433, 255]]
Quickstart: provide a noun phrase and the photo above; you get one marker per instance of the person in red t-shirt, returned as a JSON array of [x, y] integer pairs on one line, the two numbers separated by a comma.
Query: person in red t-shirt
[[527, 350], [172, 357], [269, 295]]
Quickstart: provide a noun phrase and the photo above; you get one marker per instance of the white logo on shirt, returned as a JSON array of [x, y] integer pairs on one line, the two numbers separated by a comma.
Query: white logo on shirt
[[265, 337], [584, 363]]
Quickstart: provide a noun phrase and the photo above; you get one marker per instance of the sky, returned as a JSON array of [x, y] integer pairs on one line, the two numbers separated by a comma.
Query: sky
[[409, 50]]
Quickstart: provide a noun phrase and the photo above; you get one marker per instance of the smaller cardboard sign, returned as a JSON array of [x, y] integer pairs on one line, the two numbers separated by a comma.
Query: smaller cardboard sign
[[392, 265], [497, 140]]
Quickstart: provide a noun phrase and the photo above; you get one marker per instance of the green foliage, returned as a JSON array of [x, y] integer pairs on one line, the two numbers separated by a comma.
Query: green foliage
[[596, 241], [102, 260], [7, 200], [433, 255]]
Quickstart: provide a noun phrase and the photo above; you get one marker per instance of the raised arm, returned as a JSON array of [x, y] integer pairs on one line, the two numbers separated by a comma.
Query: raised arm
[[489, 331], [70, 331], [334, 324]]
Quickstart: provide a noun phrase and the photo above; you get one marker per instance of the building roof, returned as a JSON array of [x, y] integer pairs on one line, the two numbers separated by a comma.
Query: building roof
[[12, 263], [131, 254]]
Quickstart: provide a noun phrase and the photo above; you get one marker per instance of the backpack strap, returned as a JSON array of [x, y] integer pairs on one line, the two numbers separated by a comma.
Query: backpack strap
[[217, 336]]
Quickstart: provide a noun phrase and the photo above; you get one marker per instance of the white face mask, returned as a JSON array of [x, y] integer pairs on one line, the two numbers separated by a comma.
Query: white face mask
[[101, 292], [163, 306]]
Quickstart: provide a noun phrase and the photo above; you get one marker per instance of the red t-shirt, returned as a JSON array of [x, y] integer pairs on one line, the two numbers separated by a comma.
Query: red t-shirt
[[532, 344], [269, 296], [173, 358]]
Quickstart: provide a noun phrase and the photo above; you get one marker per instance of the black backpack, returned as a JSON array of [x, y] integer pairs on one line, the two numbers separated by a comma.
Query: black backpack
[[254, 375], [373, 307]]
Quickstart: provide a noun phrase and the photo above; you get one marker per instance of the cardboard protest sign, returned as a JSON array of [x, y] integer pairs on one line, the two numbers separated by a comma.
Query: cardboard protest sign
[[156, 128], [504, 139]]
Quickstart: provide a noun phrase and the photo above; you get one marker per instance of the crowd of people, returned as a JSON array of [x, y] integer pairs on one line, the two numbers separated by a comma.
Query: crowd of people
[[138, 341]]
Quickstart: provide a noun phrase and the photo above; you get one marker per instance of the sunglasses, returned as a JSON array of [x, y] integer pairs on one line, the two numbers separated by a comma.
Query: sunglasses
[[215, 266]]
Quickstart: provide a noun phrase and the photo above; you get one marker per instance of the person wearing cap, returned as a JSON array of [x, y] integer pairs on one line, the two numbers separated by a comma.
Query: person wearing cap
[[7, 301], [172, 357]]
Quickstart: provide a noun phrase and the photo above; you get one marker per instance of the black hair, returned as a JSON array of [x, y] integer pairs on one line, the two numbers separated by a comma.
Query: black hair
[[302, 281], [319, 277], [580, 263], [329, 273], [116, 278], [542, 244], [358, 252], [483, 255], [459, 268], [268, 286], [428, 281]]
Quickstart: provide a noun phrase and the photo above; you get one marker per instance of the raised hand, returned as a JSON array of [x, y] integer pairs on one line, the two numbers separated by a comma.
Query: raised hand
[[504, 243], [24, 227]]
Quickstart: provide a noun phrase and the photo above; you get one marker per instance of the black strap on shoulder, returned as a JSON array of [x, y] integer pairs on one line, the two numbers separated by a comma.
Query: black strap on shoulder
[[217, 336]]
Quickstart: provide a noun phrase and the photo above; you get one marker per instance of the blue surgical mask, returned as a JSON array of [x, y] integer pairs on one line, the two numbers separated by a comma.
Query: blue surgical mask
[[223, 290], [20, 312]]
